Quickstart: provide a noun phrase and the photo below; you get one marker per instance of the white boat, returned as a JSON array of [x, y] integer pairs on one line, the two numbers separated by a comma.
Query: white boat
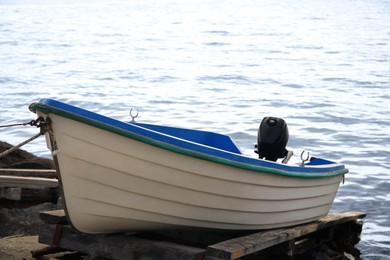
[[122, 176]]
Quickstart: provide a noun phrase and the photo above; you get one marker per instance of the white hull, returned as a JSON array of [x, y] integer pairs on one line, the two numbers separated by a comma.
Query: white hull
[[112, 183]]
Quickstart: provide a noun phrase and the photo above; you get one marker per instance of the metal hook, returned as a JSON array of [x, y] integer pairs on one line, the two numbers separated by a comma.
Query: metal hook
[[304, 159], [133, 116]]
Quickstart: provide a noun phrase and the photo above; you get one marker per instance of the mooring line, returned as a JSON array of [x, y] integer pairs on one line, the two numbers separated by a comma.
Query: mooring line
[[19, 124], [20, 145], [39, 122]]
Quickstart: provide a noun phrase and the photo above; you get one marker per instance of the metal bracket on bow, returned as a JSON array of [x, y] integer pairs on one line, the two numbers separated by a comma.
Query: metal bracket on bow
[[306, 158], [133, 116]]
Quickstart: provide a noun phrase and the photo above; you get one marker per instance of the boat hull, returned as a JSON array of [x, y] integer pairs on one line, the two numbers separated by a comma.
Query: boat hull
[[112, 183]]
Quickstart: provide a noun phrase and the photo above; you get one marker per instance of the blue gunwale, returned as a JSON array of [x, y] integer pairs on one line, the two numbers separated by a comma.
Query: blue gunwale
[[186, 147]]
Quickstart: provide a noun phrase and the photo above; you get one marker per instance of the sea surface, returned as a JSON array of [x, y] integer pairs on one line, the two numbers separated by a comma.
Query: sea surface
[[323, 66]]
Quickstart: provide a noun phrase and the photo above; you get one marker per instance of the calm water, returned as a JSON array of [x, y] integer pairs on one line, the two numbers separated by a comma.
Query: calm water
[[323, 66]]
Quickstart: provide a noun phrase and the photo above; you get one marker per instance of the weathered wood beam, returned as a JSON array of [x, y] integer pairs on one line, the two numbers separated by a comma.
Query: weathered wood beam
[[45, 173], [27, 182], [53, 217], [242, 246]]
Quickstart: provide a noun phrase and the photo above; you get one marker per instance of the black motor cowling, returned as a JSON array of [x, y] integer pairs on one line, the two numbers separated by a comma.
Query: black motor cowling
[[272, 139]]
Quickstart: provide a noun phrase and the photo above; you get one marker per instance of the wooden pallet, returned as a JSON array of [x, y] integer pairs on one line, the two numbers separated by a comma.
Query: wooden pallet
[[341, 228]]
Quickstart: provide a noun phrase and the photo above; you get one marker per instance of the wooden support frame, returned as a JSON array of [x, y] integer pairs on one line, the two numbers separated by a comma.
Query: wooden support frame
[[283, 241], [242, 246]]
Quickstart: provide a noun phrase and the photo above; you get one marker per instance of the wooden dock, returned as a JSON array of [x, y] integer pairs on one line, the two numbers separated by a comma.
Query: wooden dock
[[334, 235]]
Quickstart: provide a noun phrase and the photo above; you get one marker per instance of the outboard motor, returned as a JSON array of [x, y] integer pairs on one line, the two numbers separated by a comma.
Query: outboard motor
[[272, 139]]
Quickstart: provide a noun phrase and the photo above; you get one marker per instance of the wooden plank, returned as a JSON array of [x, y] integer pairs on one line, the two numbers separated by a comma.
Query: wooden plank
[[53, 217], [45, 173], [27, 182], [239, 247], [118, 246]]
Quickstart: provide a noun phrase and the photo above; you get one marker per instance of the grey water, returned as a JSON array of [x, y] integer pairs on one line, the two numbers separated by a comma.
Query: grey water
[[323, 66]]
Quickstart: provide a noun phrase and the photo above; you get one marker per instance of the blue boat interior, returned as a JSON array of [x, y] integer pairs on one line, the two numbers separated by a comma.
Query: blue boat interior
[[211, 139], [215, 140]]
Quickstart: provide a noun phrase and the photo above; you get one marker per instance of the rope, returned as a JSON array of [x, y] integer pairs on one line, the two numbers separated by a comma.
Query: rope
[[20, 145], [39, 122], [28, 123]]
